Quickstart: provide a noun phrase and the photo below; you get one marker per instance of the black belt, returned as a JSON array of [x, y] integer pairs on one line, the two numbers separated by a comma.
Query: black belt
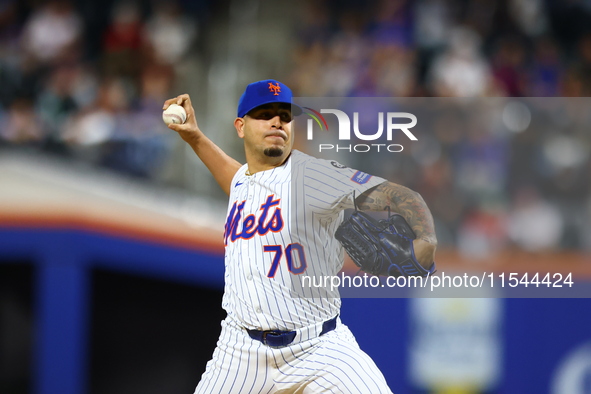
[[276, 338]]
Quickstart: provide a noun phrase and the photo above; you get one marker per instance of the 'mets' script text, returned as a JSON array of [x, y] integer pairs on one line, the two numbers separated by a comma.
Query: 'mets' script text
[[267, 220]]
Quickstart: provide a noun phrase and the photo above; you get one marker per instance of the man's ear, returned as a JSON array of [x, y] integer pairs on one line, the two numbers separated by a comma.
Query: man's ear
[[239, 124]]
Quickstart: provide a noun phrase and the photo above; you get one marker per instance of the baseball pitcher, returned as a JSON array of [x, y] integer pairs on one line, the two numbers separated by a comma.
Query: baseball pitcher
[[285, 222]]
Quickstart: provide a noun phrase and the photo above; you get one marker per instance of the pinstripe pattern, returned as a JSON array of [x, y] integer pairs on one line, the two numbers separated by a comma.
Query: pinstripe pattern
[[332, 363], [280, 229]]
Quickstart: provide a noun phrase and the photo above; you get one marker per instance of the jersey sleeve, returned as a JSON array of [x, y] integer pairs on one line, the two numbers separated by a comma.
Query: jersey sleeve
[[331, 186]]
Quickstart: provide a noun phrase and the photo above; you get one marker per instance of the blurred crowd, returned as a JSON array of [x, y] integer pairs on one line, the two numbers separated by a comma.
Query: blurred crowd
[[400, 48], [87, 80], [490, 186]]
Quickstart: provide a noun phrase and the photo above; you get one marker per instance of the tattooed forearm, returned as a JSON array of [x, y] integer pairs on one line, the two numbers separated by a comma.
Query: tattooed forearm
[[404, 201]]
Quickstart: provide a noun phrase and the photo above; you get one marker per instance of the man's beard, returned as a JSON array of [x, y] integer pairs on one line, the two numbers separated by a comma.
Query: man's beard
[[273, 152]]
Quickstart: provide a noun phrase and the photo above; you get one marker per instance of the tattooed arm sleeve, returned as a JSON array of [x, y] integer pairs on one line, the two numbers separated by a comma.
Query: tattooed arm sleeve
[[404, 201]]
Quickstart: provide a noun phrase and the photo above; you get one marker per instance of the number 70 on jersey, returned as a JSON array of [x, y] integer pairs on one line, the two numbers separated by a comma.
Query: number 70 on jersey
[[294, 255]]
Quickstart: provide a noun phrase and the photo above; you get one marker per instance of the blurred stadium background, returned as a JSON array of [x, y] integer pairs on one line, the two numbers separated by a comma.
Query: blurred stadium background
[[111, 261]]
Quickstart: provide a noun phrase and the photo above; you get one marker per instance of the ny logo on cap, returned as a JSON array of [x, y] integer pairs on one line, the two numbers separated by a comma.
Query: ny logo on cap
[[275, 89]]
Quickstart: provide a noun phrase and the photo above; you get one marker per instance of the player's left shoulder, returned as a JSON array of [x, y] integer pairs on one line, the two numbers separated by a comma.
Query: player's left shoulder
[[336, 174], [330, 164], [297, 157]]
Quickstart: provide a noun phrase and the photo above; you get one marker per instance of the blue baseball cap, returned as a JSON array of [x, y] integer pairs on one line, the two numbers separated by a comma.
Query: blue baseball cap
[[265, 92]]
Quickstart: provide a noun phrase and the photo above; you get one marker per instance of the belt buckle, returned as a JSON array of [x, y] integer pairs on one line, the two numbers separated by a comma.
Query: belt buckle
[[277, 335], [264, 337]]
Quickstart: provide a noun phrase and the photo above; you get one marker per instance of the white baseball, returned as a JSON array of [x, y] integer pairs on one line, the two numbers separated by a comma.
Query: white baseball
[[174, 114]]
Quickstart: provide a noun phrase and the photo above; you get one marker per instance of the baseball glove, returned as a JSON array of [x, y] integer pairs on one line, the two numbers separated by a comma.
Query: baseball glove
[[381, 247]]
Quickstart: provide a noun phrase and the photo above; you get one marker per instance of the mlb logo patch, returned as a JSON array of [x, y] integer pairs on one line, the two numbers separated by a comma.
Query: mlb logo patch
[[361, 177]]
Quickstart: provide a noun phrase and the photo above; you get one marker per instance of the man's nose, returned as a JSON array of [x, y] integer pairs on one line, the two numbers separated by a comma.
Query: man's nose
[[276, 122]]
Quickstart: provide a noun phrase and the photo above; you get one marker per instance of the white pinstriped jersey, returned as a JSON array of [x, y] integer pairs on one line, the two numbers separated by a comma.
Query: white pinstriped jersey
[[280, 228]]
